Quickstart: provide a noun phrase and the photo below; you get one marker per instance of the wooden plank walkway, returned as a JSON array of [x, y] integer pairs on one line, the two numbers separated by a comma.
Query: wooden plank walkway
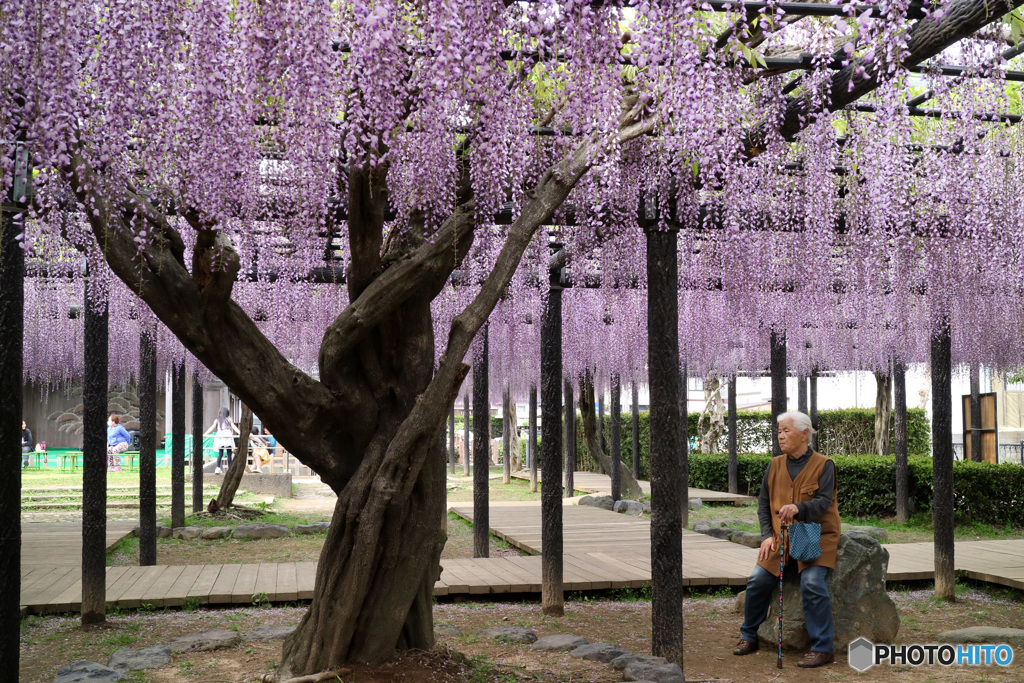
[[59, 544], [595, 482]]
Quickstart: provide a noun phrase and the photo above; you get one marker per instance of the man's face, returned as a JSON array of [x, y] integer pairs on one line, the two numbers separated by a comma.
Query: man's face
[[792, 441]]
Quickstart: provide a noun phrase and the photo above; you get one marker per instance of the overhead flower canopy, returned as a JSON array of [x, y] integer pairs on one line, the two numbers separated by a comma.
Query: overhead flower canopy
[[852, 221]]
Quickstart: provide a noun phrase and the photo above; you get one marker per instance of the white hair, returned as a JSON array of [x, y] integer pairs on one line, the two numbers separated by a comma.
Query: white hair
[[800, 420]]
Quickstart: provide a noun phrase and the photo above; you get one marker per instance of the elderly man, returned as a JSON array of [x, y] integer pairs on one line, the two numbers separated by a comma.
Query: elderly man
[[798, 486]]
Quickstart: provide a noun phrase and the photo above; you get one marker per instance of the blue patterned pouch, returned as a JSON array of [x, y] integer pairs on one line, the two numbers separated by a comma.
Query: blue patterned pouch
[[805, 541]]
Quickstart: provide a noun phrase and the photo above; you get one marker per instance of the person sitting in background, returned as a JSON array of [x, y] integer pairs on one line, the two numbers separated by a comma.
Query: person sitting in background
[[26, 443], [118, 441]]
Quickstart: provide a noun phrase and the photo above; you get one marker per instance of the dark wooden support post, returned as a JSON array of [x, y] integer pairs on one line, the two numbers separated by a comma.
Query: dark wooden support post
[[570, 441], [942, 461], [147, 447], [197, 443], [899, 386], [451, 440], [666, 514], [734, 477], [466, 421], [178, 444], [552, 598], [532, 445], [481, 446], [94, 464], [814, 407], [635, 415], [600, 417], [778, 372], [684, 446], [12, 360], [506, 438], [975, 413], [616, 436], [801, 394]]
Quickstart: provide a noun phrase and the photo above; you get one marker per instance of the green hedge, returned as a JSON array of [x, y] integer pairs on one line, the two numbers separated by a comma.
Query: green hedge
[[983, 492], [840, 431]]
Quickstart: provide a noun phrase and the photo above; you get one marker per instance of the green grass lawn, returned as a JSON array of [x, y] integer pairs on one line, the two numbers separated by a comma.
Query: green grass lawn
[[53, 478]]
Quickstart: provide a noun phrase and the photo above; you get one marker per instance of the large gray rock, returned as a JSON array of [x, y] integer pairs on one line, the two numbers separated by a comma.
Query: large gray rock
[[599, 652], [84, 670], [306, 529], [625, 660], [562, 642], [746, 538], [215, 532], [186, 532], [163, 531], [724, 534], [127, 659], [603, 502], [261, 530], [877, 533], [860, 604], [509, 634], [663, 673], [448, 630], [994, 635], [701, 527], [211, 639], [628, 507], [694, 503], [261, 633]]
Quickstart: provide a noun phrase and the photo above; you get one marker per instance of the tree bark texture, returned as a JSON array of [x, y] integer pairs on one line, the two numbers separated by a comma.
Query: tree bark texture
[[94, 465], [616, 436], [801, 394], [178, 445], [684, 446], [552, 597], [532, 441], [635, 424], [233, 477], [12, 354], [147, 448], [514, 447], [467, 420], [883, 412], [197, 444], [713, 413], [778, 372], [451, 441], [666, 511], [942, 462], [481, 448], [600, 422], [814, 407], [628, 485], [569, 486], [975, 413], [899, 384], [506, 438], [734, 476]]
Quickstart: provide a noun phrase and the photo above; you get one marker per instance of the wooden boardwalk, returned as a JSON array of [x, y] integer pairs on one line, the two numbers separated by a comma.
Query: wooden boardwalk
[[595, 482]]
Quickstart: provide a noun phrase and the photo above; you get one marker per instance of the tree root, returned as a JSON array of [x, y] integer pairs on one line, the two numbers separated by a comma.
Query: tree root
[[311, 678]]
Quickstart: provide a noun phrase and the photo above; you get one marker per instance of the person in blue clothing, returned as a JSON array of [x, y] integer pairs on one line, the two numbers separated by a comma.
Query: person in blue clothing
[[118, 441]]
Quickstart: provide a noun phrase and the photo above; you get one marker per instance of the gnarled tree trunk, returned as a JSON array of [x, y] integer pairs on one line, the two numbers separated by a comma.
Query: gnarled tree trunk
[[233, 477], [630, 489], [883, 412]]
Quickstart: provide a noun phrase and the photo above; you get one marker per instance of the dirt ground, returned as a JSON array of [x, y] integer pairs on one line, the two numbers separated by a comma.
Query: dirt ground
[[48, 643]]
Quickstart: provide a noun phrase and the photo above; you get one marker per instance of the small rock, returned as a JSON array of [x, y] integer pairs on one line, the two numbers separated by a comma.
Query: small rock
[[603, 502], [746, 538], [269, 633], [585, 500], [509, 634], [877, 533], [694, 504], [629, 507], [984, 634], [599, 652], [84, 670], [741, 601], [186, 532], [215, 532], [664, 673], [306, 529], [625, 660], [163, 531], [724, 534], [448, 630], [562, 642], [701, 527], [127, 659], [211, 639], [647, 508], [261, 530]]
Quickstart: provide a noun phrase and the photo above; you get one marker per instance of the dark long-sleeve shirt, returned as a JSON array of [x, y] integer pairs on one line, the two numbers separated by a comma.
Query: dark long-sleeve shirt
[[812, 510]]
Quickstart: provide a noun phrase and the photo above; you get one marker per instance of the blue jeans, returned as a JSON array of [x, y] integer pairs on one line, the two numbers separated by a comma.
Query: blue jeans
[[817, 604]]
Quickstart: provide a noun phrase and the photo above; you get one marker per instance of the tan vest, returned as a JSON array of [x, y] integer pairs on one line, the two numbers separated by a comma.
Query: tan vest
[[783, 490]]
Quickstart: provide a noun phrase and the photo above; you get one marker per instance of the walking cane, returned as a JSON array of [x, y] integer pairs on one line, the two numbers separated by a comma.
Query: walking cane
[[782, 567]]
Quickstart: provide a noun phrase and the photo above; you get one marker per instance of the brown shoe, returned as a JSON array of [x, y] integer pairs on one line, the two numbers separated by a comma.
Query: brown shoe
[[745, 647], [813, 660]]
